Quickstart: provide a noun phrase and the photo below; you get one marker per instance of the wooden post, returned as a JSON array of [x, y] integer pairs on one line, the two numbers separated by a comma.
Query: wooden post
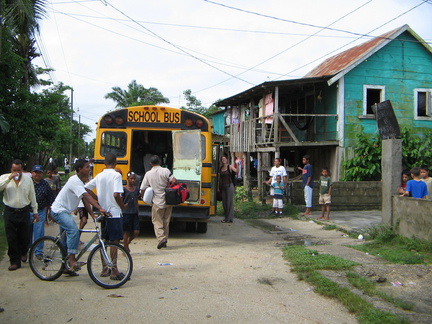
[[276, 116]]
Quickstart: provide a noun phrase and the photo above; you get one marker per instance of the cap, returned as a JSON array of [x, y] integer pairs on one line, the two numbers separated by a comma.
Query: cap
[[37, 168]]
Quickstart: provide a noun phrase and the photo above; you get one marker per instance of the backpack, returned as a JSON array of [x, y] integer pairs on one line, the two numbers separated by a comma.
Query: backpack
[[176, 194]]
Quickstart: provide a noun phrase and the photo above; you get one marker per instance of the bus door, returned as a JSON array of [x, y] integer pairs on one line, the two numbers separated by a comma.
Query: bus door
[[217, 153], [187, 161]]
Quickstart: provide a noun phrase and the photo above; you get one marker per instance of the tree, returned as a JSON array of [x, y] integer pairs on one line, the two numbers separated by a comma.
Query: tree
[[21, 18], [40, 126], [194, 104], [136, 95], [366, 163], [4, 125]]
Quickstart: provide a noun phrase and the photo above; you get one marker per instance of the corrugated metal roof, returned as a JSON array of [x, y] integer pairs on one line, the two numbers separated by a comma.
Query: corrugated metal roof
[[339, 62], [263, 88], [332, 69]]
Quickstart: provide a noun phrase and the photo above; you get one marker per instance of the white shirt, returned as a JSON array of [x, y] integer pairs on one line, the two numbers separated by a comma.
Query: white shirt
[[107, 183], [18, 196], [69, 197], [274, 172]]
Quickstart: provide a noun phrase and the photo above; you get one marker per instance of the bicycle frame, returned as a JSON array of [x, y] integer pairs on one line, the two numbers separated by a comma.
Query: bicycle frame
[[104, 266], [87, 246]]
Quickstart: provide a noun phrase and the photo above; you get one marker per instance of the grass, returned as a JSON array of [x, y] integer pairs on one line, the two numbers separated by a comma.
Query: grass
[[395, 248], [307, 263], [369, 288], [254, 209], [329, 227]]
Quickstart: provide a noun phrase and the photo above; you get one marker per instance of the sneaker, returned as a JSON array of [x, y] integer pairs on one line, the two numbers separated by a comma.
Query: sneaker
[[272, 212]]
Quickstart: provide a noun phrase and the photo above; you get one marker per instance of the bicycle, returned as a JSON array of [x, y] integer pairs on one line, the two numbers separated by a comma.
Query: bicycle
[[53, 261]]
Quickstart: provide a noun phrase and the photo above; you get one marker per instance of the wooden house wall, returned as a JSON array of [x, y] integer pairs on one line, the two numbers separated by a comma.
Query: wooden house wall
[[401, 66], [326, 127]]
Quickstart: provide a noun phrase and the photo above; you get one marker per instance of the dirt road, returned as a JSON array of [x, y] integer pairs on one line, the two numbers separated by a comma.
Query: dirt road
[[232, 274]]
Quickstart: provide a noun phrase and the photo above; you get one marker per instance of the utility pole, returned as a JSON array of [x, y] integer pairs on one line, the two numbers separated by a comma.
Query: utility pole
[[79, 132], [70, 146]]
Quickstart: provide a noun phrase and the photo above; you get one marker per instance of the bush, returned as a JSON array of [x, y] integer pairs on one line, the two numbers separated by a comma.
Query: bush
[[366, 163], [381, 233], [241, 194]]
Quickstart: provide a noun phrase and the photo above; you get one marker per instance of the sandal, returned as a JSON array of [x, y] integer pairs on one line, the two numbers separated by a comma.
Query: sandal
[[106, 274], [119, 276], [77, 266], [70, 273]]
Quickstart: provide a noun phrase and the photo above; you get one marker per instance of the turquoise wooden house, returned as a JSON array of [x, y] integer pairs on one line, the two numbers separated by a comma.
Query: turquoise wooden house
[[321, 113]]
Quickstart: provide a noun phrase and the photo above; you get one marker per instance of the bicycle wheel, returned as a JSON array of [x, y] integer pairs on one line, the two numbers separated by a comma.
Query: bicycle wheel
[[111, 273], [46, 258]]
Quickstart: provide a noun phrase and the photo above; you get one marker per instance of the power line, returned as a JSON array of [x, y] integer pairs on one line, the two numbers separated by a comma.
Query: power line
[[292, 46], [339, 48], [286, 20], [179, 48], [152, 45], [201, 27]]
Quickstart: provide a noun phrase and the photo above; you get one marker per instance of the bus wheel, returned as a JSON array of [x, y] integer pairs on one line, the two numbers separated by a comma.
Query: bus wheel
[[191, 227], [202, 227]]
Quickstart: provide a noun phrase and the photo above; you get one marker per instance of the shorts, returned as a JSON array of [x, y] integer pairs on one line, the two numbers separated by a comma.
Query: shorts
[[82, 212], [112, 229], [131, 222], [278, 203], [324, 199]]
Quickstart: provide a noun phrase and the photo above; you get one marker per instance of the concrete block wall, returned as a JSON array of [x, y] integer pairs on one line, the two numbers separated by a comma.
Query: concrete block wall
[[413, 217], [346, 195]]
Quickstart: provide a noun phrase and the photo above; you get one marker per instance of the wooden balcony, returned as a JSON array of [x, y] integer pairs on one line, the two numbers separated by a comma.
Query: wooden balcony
[[256, 135]]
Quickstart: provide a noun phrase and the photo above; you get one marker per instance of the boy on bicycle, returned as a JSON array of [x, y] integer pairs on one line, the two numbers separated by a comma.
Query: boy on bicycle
[[66, 202]]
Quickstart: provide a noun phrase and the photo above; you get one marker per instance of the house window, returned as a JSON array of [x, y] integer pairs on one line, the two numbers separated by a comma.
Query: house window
[[372, 94], [422, 103]]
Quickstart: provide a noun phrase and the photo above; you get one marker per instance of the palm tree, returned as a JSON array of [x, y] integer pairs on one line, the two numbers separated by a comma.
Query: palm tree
[[22, 17], [136, 95]]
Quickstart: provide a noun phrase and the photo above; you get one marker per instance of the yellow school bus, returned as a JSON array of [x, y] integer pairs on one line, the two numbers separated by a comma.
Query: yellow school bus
[[183, 141]]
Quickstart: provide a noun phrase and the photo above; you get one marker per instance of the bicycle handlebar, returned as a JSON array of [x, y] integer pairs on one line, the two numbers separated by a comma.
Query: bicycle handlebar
[[101, 216]]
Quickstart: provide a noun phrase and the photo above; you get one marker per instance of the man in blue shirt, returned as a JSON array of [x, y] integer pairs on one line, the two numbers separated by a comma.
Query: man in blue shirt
[[307, 184], [44, 197]]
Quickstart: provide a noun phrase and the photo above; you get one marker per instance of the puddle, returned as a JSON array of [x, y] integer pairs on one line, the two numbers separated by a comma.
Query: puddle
[[270, 228], [291, 237], [299, 239]]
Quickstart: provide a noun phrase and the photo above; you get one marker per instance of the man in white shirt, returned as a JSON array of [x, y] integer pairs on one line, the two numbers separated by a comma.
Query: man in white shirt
[[66, 202], [109, 188], [18, 197], [276, 170]]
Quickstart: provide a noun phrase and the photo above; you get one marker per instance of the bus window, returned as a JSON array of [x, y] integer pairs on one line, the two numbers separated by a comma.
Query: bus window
[[113, 142]]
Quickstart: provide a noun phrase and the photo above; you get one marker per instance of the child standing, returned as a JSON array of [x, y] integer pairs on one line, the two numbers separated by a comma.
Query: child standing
[[54, 182], [415, 187], [325, 193], [131, 227], [424, 174], [405, 178], [278, 187]]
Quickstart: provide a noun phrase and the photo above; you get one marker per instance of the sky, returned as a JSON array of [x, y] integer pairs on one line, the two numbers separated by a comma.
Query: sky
[[215, 48]]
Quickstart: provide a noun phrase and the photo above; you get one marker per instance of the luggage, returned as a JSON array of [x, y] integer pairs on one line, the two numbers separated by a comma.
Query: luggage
[[176, 194]]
